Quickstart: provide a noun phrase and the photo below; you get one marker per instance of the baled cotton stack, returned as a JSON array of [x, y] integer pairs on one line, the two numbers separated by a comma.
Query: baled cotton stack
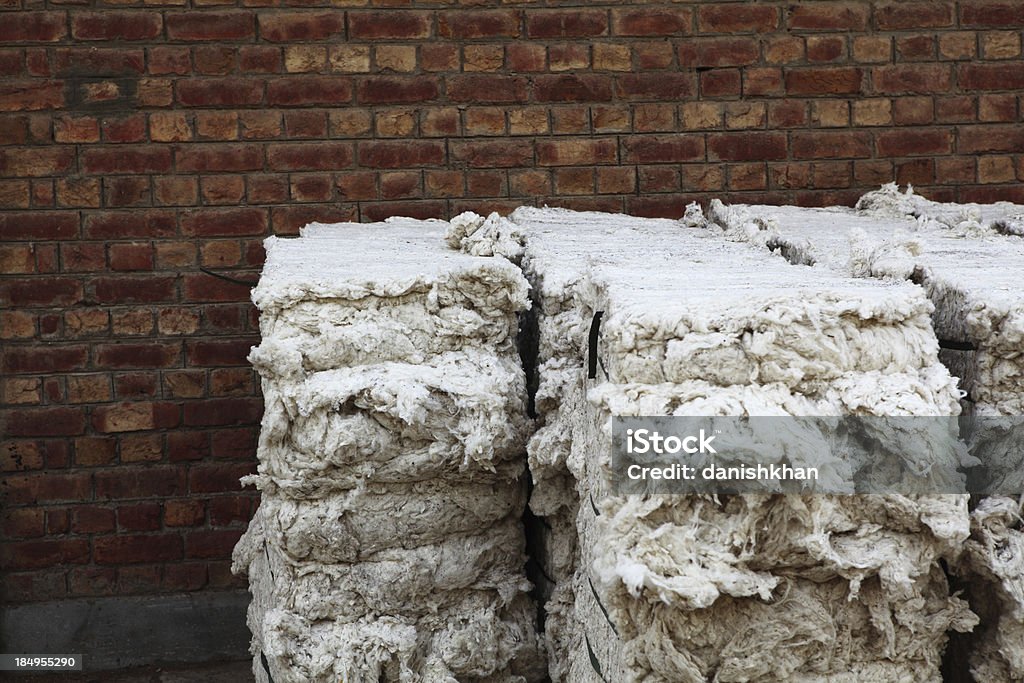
[[748, 587], [388, 544], [971, 273]]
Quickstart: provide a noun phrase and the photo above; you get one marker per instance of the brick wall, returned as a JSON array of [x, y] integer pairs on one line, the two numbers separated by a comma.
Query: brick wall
[[141, 140]]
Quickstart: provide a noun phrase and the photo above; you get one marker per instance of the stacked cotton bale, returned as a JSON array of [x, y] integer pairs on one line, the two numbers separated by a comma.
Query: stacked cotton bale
[[753, 587], [388, 543], [970, 272]]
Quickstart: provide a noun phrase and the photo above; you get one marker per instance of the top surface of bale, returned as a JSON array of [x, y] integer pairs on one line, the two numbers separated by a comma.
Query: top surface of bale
[[352, 261], [659, 268]]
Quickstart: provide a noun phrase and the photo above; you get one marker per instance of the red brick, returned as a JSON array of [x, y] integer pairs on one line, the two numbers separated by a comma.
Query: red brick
[[663, 148], [126, 191], [127, 25], [260, 59], [50, 291], [38, 225], [139, 517], [470, 24], [279, 27], [388, 24], [91, 519], [190, 576], [401, 154], [576, 152], [207, 158], [826, 48], [915, 47], [234, 444], [914, 15], [824, 81], [115, 160], [646, 22], [220, 92], [221, 26], [925, 78], [31, 95], [286, 220], [211, 544], [169, 60], [219, 353], [711, 52], [311, 188], [52, 421], [386, 90], [187, 512], [503, 154], [150, 355], [831, 145], [99, 62], [575, 23], [296, 91], [35, 161], [43, 553], [224, 222], [981, 139], [228, 510], [573, 88], [737, 18], [223, 411], [829, 16], [136, 385], [129, 290], [49, 487], [487, 89], [131, 257], [134, 549], [200, 287], [746, 147], [991, 14], [218, 478], [903, 143], [992, 76], [33, 27], [309, 156], [129, 224], [663, 87], [22, 523], [22, 359], [125, 128]]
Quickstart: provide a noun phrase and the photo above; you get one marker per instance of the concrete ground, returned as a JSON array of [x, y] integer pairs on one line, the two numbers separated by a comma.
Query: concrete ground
[[220, 672]]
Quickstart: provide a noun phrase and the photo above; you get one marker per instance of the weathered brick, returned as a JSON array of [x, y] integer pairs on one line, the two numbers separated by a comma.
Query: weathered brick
[[983, 139], [133, 549], [924, 78], [126, 25], [831, 145], [746, 146], [223, 411], [220, 92], [655, 86], [38, 161], [663, 148], [471, 24], [487, 89], [390, 24], [309, 156], [574, 23], [126, 290], [576, 152], [712, 52], [652, 21], [224, 222], [991, 77], [51, 421], [737, 18], [99, 62], [220, 26], [127, 224], [824, 81], [207, 158], [120, 160], [36, 291], [33, 27], [401, 154], [299, 92], [41, 554], [899, 16], [914, 142], [397, 90], [991, 14], [504, 154], [573, 88], [829, 16]]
